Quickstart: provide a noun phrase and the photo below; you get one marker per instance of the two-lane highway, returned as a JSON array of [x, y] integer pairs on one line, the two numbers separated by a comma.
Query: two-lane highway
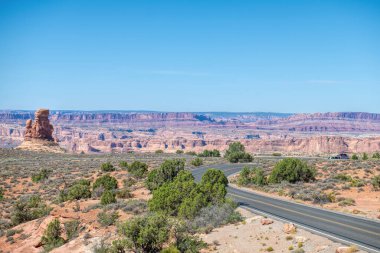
[[346, 228]]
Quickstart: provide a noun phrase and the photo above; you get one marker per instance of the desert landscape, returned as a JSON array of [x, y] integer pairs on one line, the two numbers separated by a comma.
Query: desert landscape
[[89, 196], [189, 126], [93, 232]]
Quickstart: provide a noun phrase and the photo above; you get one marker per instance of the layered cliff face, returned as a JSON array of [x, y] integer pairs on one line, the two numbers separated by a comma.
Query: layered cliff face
[[68, 117], [149, 131], [318, 122], [324, 122]]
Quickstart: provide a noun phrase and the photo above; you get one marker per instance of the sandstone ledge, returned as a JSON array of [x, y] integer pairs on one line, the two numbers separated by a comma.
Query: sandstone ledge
[[41, 146]]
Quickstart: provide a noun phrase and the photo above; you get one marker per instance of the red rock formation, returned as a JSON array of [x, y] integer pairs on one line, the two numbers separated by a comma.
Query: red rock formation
[[41, 128]]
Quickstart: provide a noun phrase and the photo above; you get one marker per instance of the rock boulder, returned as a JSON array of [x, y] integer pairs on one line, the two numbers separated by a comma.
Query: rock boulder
[[266, 221], [290, 228]]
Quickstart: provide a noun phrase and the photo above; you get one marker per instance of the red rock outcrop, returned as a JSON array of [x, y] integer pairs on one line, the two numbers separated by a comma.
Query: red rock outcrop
[[38, 135], [41, 128]]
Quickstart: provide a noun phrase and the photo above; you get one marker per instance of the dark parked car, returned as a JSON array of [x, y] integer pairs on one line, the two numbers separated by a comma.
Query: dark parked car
[[340, 157]]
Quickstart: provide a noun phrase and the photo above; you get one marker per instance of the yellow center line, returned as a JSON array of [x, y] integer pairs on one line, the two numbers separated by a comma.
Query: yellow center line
[[307, 215]]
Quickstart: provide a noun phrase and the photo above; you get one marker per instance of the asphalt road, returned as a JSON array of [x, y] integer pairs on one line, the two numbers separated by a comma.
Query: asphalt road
[[345, 228]]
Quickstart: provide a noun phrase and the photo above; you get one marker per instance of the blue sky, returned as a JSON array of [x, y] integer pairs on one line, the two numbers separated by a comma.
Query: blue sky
[[279, 56]]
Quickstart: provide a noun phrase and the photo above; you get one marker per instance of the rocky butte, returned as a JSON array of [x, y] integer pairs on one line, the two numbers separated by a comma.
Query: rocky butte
[[41, 129], [39, 134]]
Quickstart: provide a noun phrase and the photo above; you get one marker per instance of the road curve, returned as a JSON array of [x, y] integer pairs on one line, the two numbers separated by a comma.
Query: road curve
[[363, 232]]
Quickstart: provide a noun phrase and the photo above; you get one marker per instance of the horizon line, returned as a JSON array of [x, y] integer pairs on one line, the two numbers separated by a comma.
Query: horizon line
[[157, 111]]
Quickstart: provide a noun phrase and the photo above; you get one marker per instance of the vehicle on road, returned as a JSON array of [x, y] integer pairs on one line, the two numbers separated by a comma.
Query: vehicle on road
[[341, 156]]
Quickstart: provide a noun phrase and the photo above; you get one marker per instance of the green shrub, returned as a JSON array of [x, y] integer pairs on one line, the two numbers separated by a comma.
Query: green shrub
[[185, 198], [292, 170], [82, 182], [355, 157], [42, 175], [144, 234], [11, 232], [357, 183], [123, 164], [244, 176], [179, 151], [1, 193], [258, 177], [210, 191], [240, 157], [159, 151], [138, 169], [365, 156], [236, 153], [197, 162], [106, 181], [189, 244], [343, 177], [165, 173], [252, 176], [210, 153], [153, 182], [234, 147], [72, 229], [108, 197], [52, 236], [29, 209], [107, 219], [169, 196], [213, 185], [78, 191], [376, 182], [191, 153], [192, 204], [276, 154], [107, 167], [376, 155], [346, 202]]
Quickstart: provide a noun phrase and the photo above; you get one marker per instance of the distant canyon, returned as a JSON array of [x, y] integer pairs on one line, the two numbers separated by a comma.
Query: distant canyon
[[261, 133]]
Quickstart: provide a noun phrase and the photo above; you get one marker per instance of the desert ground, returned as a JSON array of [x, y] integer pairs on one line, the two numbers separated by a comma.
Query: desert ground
[[95, 224], [252, 235]]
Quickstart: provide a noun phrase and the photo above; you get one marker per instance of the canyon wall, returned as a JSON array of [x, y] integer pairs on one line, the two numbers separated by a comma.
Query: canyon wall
[[326, 133]]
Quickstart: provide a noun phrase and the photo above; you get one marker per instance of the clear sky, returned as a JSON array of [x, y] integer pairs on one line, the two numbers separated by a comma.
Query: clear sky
[[279, 56]]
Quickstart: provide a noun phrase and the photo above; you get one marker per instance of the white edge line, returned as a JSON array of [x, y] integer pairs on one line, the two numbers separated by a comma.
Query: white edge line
[[336, 239], [301, 204]]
